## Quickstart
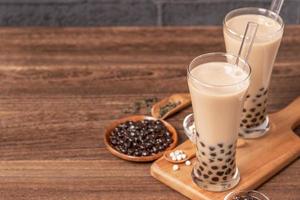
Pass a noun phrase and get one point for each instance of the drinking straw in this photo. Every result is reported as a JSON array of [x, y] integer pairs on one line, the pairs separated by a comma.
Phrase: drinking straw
[[276, 6], [247, 41]]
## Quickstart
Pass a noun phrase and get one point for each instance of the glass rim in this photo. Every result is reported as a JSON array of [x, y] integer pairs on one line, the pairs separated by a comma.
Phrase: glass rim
[[221, 54], [261, 11], [244, 191]]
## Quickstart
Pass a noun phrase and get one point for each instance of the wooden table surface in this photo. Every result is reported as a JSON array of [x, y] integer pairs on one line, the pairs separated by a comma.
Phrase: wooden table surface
[[59, 88]]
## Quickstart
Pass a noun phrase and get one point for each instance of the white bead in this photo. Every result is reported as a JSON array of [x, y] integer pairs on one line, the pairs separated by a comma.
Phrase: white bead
[[172, 154], [188, 163], [183, 156], [177, 152], [179, 157], [175, 167], [174, 158]]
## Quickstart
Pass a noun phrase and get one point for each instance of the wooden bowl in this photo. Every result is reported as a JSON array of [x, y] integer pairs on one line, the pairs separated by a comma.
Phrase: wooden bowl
[[135, 118]]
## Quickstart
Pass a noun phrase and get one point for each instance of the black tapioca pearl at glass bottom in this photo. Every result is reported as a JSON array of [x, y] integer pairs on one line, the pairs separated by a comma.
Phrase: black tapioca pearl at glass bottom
[[259, 104], [244, 121], [211, 160], [197, 134], [244, 110], [230, 146], [220, 173], [261, 117], [213, 154], [202, 144], [228, 153], [199, 172], [227, 172], [254, 120], [261, 89], [249, 116], [205, 176], [264, 110], [214, 167], [220, 159], [220, 145], [258, 95], [211, 148], [252, 110], [228, 160], [203, 163], [209, 173], [248, 126], [231, 163], [216, 179], [257, 114], [201, 168], [265, 92], [248, 96], [241, 125], [203, 153], [224, 178], [224, 166], [222, 151]]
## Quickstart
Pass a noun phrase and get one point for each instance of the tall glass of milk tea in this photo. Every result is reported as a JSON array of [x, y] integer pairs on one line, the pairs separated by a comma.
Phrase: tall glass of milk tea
[[218, 88], [255, 122]]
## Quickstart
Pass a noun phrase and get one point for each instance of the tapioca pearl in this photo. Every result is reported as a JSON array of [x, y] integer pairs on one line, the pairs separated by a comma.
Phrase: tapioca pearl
[[214, 167], [261, 89], [201, 168], [202, 144], [220, 173], [261, 117], [228, 153], [252, 110], [204, 163], [211, 160], [248, 96], [220, 159], [248, 126], [264, 110], [209, 173], [259, 105], [220, 145], [249, 116], [227, 172], [224, 178], [205, 176], [232, 162], [257, 114], [197, 134], [222, 151], [244, 110], [230, 146], [199, 172], [258, 95], [257, 124], [203, 153], [241, 125], [228, 160], [216, 179], [254, 120], [265, 92], [213, 154], [211, 148], [224, 166], [244, 121]]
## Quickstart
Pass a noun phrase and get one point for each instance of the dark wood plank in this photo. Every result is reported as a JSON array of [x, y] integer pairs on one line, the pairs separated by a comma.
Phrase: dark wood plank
[[60, 87]]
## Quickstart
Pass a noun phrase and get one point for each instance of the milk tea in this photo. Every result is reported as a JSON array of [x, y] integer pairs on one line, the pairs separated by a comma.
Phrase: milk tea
[[217, 90], [261, 60]]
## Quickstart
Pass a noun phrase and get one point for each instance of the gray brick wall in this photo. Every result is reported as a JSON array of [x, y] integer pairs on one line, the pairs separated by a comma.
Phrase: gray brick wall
[[129, 12]]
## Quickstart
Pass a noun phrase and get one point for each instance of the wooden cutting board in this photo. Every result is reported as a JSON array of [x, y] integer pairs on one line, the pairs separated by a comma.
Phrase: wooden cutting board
[[257, 161]]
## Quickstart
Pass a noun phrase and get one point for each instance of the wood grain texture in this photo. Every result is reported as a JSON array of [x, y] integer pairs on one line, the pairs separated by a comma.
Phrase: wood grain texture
[[257, 161], [59, 88]]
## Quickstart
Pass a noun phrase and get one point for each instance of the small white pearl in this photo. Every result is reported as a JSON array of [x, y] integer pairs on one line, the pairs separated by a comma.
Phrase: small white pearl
[[179, 157], [175, 167], [174, 158], [183, 156], [188, 163]]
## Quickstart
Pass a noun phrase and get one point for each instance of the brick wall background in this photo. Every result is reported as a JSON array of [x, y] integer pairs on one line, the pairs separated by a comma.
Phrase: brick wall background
[[129, 12]]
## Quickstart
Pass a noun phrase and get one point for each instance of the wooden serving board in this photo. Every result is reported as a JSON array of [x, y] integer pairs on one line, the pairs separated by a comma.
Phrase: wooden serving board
[[257, 161]]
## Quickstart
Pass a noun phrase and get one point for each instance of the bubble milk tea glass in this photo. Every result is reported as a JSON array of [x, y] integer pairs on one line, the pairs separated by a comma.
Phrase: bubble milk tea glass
[[255, 122], [218, 88]]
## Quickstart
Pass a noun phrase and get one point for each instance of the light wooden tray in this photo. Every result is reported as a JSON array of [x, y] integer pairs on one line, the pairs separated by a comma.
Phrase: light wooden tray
[[257, 161]]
